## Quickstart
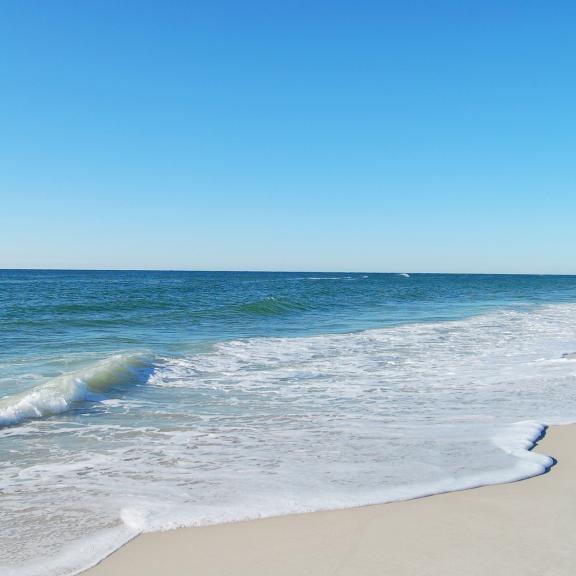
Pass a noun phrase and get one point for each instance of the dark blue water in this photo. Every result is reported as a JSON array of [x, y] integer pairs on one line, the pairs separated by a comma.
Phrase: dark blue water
[[105, 311]]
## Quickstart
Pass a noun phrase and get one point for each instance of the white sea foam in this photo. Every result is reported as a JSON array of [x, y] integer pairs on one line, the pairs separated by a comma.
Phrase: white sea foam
[[77, 557], [267, 426]]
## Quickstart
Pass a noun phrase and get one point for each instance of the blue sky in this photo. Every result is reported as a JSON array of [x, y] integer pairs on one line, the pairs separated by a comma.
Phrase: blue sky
[[288, 135]]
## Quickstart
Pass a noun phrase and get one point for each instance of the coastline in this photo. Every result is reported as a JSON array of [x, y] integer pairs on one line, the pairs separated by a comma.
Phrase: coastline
[[524, 527]]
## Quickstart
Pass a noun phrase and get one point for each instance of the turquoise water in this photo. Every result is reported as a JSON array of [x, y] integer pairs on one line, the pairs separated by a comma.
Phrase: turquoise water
[[163, 399]]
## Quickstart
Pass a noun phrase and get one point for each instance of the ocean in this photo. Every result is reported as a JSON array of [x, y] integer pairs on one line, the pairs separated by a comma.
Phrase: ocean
[[141, 401]]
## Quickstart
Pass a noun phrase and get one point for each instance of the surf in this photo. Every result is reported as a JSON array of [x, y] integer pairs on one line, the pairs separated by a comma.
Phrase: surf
[[66, 391]]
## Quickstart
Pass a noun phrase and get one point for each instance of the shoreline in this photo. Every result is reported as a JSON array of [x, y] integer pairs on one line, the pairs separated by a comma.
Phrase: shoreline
[[522, 527]]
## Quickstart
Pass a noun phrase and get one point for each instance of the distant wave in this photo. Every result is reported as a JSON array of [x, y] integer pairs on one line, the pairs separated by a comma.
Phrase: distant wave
[[270, 306], [63, 392]]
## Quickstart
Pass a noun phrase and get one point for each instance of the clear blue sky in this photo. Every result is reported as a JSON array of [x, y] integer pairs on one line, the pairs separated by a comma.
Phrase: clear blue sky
[[289, 135]]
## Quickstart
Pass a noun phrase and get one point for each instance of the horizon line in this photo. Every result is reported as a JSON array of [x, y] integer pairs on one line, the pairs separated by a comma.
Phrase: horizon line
[[172, 270]]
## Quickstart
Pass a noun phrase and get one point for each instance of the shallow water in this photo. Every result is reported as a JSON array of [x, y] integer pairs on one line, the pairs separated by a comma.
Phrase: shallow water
[[141, 401]]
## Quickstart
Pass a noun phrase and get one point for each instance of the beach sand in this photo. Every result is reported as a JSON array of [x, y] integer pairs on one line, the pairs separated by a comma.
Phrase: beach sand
[[522, 528]]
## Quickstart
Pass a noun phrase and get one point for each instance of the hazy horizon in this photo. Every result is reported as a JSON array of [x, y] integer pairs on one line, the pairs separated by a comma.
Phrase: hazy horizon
[[238, 271]]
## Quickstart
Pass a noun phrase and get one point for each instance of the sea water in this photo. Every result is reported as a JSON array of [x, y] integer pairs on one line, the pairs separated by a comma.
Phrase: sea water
[[139, 401]]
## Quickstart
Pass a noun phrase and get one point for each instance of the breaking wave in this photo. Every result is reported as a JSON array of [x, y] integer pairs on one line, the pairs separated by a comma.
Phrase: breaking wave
[[62, 393]]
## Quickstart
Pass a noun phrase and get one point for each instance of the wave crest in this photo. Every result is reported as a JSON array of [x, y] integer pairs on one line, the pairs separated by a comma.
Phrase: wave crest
[[63, 392]]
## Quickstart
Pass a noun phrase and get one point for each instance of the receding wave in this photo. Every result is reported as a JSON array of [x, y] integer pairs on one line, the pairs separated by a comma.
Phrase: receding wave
[[64, 392]]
